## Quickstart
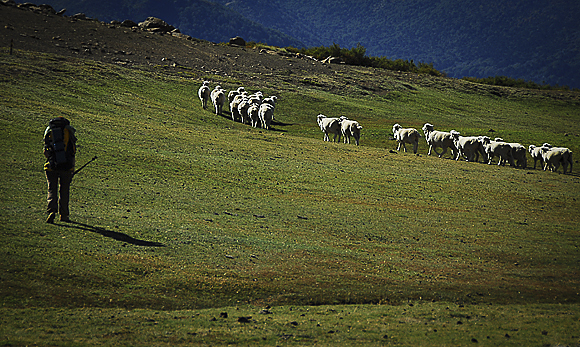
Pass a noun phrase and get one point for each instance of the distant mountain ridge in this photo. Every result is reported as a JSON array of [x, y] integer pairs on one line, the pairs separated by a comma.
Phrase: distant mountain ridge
[[535, 40]]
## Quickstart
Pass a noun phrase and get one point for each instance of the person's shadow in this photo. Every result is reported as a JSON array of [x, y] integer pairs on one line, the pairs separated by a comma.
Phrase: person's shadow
[[112, 234]]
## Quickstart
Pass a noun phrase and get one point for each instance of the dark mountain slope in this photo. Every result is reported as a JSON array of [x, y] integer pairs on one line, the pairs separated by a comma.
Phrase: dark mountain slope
[[199, 18], [531, 39]]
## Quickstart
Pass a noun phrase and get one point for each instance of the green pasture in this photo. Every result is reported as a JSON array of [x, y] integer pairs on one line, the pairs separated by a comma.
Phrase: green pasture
[[185, 215]]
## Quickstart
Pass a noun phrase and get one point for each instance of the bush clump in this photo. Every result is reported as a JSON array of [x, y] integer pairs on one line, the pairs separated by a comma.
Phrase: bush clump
[[357, 56]]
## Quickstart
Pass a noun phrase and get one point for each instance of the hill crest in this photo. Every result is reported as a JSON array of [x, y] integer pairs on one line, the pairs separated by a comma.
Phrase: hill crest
[[531, 40], [40, 29]]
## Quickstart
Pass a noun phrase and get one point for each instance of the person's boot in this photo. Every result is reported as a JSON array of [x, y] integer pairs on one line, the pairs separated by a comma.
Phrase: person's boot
[[64, 219], [51, 217]]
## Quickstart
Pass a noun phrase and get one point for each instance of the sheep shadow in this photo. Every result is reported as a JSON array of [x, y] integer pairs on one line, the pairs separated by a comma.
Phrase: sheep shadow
[[111, 234], [228, 115]]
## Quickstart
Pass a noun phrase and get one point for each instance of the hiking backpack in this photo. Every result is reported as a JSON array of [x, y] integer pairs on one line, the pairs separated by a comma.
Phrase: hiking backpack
[[59, 140]]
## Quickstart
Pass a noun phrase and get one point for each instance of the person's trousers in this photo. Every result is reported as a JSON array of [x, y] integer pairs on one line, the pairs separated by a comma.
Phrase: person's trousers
[[58, 191]]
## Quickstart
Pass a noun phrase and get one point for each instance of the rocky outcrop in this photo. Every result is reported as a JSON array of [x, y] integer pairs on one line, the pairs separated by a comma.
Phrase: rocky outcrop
[[153, 24], [32, 7], [237, 41], [332, 60]]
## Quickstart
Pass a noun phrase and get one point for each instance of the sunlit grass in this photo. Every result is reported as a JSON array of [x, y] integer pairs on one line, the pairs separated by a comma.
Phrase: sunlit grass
[[186, 210]]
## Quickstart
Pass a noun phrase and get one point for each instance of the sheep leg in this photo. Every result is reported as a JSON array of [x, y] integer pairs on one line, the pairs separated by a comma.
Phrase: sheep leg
[[465, 154], [471, 156], [433, 148], [564, 165], [415, 146], [454, 153], [442, 152], [500, 160]]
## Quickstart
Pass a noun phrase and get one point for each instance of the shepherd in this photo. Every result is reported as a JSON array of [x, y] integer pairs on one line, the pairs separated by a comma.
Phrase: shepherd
[[59, 150]]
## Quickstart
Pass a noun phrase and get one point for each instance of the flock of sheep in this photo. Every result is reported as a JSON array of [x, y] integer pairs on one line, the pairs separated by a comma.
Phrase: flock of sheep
[[256, 110], [470, 147], [251, 109]]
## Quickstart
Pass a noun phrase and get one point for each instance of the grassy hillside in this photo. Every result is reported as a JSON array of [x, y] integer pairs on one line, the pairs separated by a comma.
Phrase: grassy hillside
[[185, 210]]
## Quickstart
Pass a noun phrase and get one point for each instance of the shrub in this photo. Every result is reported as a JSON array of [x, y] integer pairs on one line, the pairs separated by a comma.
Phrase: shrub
[[357, 56]]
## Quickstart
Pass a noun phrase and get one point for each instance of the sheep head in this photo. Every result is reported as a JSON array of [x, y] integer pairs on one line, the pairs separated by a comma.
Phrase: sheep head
[[396, 127], [427, 128], [484, 140]]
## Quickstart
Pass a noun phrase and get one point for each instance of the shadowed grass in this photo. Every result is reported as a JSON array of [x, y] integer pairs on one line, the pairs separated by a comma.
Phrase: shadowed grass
[[410, 324]]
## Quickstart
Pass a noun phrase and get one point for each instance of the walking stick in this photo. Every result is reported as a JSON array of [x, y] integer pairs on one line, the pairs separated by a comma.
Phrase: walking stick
[[82, 167]]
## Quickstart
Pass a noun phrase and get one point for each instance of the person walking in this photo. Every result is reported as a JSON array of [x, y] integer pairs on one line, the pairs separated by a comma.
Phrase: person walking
[[60, 151]]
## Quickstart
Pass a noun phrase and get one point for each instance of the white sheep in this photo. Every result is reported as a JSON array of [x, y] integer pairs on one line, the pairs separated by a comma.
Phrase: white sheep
[[232, 94], [441, 139], [519, 154], [266, 114], [253, 115], [204, 93], [256, 98], [406, 135], [555, 156], [329, 126], [271, 100], [350, 128], [498, 148], [468, 147], [218, 98], [536, 153], [243, 110], [235, 103]]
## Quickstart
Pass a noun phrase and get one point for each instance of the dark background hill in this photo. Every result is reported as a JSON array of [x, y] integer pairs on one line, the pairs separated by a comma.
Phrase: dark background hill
[[534, 40], [198, 18]]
